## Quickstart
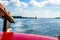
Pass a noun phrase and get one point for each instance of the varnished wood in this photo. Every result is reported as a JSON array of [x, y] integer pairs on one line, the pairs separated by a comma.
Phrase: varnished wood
[[6, 17], [6, 14]]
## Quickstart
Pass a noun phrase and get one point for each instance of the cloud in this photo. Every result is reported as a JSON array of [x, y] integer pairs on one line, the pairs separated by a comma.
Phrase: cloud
[[40, 14], [25, 13], [15, 2], [49, 14], [38, 4], [5, 3], [46, 13], [55, 2], [45, 2], [25, 4], [18, 3], [34, 3]]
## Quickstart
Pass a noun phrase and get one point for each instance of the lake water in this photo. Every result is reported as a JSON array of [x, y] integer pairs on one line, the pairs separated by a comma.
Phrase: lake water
[[42, 26]]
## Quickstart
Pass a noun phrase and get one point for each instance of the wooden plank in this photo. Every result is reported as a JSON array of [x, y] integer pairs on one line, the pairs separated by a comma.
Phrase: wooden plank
[[5, 14]]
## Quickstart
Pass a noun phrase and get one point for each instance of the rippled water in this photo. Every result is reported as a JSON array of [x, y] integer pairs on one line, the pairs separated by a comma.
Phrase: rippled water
[[42, 26]]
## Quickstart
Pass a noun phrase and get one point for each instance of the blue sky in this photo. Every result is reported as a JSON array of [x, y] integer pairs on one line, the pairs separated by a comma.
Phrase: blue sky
[[38, 8]]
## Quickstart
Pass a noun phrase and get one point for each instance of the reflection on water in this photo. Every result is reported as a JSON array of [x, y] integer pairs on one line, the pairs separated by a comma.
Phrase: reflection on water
[[50, 27]]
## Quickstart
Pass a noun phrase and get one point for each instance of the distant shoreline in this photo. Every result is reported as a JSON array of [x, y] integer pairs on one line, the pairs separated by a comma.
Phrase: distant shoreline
[[24, 17], [57, 18]]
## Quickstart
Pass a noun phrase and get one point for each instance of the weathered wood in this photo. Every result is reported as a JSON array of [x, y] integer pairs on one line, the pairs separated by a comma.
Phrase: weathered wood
[[5, 14], [6, 17]]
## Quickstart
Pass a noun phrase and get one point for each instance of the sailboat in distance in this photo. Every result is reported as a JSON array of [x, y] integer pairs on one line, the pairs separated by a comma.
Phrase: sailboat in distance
[[4, 35]]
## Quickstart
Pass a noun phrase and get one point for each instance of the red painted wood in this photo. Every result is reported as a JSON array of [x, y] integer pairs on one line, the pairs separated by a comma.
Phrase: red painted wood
[[58, 37], [22, 36]]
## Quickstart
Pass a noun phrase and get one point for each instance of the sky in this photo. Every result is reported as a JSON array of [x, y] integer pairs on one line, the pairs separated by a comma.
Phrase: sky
[[32, 8]]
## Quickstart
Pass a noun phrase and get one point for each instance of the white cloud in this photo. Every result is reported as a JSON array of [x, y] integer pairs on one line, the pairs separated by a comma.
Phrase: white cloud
[[46, 13], [25, 13], [38, 4], [49, 14], [57, 14], [56, 2], [39, 13], [25, 4], [18, 3], [44, 3], [5, 3], [35, 3]]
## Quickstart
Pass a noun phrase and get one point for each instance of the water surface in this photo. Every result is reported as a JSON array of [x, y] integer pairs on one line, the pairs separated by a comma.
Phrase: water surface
[[41, 26]]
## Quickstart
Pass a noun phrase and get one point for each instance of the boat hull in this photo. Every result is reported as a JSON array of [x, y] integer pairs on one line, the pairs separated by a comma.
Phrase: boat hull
[[22, 36]]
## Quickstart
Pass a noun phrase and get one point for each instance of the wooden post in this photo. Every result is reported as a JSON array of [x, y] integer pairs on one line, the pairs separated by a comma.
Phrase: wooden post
[[5, 25]]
